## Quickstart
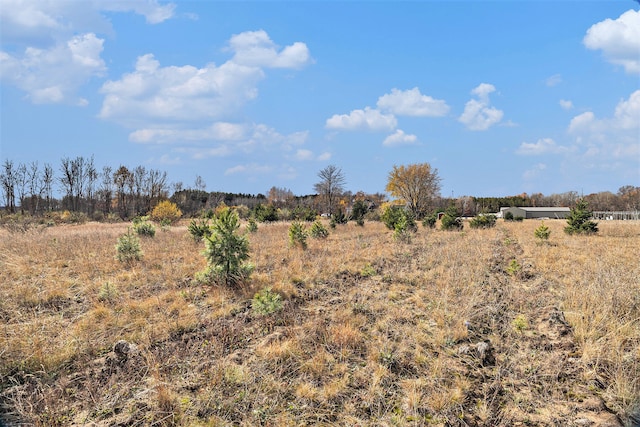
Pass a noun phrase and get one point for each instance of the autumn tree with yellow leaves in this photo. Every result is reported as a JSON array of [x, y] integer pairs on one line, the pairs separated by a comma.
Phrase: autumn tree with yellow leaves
[[417, 185]]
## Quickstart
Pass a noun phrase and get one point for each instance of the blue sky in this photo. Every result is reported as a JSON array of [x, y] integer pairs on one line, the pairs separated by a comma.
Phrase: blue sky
[[502, 97]]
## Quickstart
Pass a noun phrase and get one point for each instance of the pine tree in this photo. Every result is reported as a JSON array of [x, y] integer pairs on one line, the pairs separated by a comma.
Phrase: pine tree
[[579, 220]]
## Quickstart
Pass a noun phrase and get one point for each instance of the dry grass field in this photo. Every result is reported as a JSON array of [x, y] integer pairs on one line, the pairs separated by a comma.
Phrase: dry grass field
[[472, 328]]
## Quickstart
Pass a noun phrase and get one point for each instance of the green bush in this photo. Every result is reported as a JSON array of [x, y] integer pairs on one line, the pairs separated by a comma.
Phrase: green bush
[[265, 213], [226, 252], [302, 213], [391, 215], [298, 235], [579, 220], [451, 220], [358, 211], [252, 225], [199, 229], [143, 227], [128, 248], [429, 221], [483, 221], [319, 231], [266, 302], [405, 228], [508, 216], [542, 233]]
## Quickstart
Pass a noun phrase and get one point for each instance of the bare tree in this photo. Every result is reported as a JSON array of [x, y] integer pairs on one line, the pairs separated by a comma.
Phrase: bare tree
[[47, 184], [122, 178], [139, 187], [106, 189], [330, 187], [157, 187], [22, 177], [8, 182]]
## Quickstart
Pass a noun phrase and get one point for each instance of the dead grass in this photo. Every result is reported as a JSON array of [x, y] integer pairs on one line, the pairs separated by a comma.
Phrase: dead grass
[[480, 327]]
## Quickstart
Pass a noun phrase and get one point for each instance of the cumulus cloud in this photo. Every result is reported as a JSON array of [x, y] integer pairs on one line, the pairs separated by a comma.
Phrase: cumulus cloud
[[368, 119], [412, 103], [566, 104], [542, 146], [256, 49], [626, 118], [54, 75], [399, 138], [51, 48], [618, 39], [478, 113], [152, 93]]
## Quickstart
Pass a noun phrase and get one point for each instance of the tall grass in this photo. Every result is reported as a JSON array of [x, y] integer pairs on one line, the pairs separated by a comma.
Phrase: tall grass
[[371, 331]]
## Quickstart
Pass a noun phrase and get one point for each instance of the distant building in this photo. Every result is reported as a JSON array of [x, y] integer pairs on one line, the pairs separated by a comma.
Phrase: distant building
[[536, 213]]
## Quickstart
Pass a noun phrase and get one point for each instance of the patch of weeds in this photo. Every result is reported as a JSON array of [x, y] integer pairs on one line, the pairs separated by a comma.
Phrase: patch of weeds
[[520, 323], [368, 270], [514, 267]]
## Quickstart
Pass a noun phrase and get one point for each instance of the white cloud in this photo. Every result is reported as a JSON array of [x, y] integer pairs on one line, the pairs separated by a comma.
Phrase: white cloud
[[554, 80], [54, 75], [399, 138], [478, 113], [626, 117], [566, 104], [38, 22], [324, 157], [534, 172], [618, 39], [153, 12], [51, 47], [152, 93], [220, 131], [542, 146], [256, 49], [367, 119], [251, 168], [412, 103]]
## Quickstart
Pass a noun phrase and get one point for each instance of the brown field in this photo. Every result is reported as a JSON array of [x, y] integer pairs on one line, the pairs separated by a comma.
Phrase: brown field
[[472, 328]]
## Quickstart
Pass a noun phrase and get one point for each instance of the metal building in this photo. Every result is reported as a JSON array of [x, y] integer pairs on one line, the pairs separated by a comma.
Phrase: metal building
[[536, 212]]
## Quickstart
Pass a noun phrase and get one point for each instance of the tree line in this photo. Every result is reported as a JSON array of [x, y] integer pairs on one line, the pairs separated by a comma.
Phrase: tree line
[[128, 192]]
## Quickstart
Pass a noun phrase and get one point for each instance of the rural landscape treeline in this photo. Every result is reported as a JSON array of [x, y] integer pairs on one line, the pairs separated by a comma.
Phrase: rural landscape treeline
[[77, 185]]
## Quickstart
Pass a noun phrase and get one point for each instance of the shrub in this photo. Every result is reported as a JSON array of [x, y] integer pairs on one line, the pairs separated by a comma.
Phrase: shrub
[[166, 210], [451, 221], [319, 231], [143, 227], [302, 213], [483, 221], [128, 248], [392, 214], [405, 228], [579, 220], [508, 216], [265, 213], [199, 229], [266, 302], [226, 252], [252, 225], [542, 232], [297, 235], [358, 211], [429, 221]]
